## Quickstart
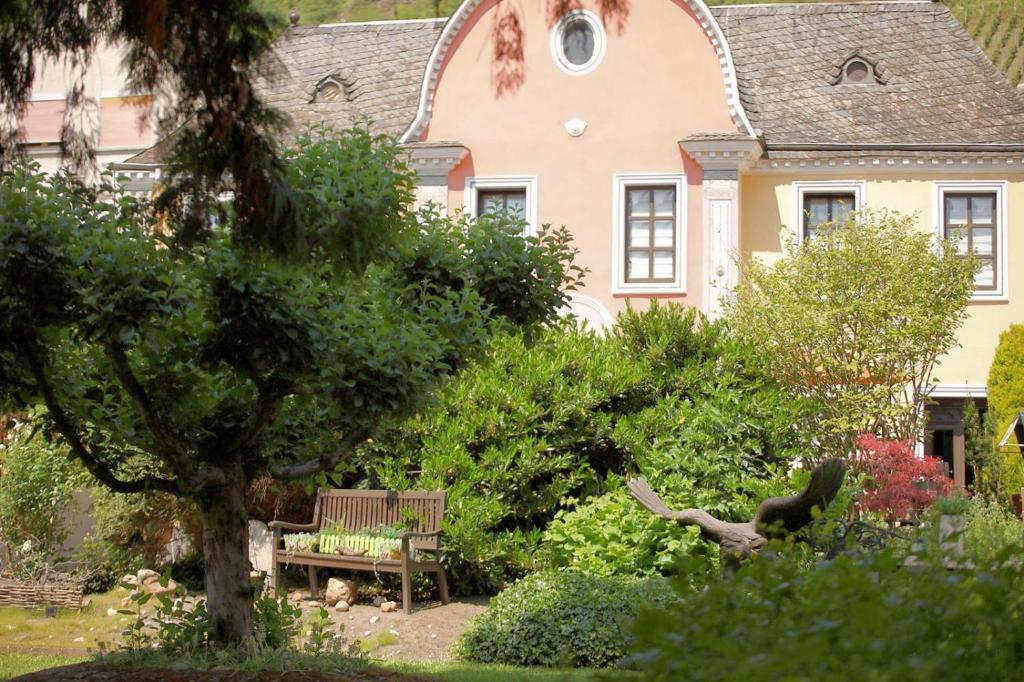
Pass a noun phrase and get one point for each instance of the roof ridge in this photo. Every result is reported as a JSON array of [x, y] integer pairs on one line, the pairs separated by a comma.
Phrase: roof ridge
[[824, 7], [379, 22]]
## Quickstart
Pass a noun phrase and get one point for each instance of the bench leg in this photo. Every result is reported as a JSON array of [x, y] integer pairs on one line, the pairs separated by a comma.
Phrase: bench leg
[[275, 580], [442, 585], [314, 588], [406, 592]]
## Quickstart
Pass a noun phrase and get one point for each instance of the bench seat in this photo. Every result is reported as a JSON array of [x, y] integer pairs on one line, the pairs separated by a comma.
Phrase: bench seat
[[364, 511]]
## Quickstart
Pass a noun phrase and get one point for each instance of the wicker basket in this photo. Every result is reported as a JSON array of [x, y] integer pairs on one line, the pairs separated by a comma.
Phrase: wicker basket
[[64, 592]]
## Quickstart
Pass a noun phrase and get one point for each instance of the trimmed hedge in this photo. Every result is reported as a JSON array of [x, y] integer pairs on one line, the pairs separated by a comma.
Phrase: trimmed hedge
[[1006, 379], [560, 619]]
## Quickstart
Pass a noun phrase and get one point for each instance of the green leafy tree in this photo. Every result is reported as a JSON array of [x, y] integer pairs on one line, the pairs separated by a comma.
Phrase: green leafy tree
[[857, 318], [195, 371]]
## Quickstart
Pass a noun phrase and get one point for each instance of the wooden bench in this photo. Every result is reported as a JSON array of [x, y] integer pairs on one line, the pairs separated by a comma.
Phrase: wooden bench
[[366, 510]]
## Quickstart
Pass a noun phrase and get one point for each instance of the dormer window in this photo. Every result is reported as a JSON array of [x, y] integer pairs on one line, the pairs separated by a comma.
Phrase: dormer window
[[858, 70], [330, 90]]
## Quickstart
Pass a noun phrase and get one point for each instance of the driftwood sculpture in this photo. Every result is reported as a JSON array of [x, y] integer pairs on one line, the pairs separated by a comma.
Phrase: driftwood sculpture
[[776, 517]]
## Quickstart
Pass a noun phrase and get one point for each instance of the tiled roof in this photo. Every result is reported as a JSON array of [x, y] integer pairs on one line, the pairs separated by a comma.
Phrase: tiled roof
[[379, 66], [939, 87], [936, 85]]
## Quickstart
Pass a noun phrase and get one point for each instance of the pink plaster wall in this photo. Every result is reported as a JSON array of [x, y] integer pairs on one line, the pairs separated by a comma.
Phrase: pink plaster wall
[[124, 122], [42, 121], [659, 81]]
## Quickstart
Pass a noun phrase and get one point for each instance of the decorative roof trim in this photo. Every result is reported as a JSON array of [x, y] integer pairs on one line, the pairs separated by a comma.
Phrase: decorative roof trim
[[944, 163], [981, 147], [458, 19]]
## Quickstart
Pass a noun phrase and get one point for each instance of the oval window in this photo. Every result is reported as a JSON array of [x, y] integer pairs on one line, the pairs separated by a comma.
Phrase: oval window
[[578, 42]]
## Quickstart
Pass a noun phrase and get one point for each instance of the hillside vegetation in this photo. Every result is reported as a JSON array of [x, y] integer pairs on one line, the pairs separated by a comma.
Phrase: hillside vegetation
[[997, 25]]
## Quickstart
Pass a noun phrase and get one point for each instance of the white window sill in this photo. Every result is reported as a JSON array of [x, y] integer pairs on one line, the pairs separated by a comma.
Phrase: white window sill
[[994, 297], [647, 291]]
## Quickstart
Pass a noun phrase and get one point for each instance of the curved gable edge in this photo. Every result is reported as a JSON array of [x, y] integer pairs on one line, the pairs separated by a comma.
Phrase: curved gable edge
[[451, 29]]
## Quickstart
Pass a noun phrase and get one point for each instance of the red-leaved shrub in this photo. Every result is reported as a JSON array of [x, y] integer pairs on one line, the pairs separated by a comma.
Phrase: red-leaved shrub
[[901, 482]]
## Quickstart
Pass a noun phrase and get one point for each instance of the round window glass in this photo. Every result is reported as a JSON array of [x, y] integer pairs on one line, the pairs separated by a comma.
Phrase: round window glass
[[578, 43], [857, 71]]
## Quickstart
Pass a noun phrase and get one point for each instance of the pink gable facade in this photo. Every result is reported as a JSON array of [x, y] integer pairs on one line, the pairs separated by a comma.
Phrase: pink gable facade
[[577, 143]]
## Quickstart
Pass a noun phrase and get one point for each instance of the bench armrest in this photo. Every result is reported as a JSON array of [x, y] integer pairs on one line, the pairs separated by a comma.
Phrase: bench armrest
[[284, 525]]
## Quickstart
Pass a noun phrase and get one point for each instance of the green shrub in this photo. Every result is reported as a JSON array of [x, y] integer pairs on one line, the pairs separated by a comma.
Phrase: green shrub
[[991, 528], [515, 434], [611, 534], [867, 618], [558, 619], [36, 489], [1006, 378], [1005, 400], [538, 436]]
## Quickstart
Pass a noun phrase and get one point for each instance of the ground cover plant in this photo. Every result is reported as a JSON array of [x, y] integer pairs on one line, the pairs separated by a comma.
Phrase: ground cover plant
[[533, 441]]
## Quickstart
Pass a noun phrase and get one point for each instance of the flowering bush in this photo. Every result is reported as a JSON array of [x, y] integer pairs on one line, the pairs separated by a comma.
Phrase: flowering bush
[[900, 482]]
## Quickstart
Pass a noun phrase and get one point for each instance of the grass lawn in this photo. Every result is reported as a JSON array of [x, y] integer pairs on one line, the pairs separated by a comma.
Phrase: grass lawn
[[476, 672], [29, 641], [14, 664], [30, 631]]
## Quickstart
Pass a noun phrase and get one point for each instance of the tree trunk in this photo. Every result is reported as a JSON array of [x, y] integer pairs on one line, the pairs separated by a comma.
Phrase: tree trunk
[[226, 552]]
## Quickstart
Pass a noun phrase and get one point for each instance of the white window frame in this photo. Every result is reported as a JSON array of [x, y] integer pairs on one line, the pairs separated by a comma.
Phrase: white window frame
[[528, 183], [999, 188], [622, 182], [801, 188], [600, 42]]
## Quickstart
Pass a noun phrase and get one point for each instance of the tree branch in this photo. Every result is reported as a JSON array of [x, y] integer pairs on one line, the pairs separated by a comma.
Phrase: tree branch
[[323, 462], [66, 425], [163, 436]]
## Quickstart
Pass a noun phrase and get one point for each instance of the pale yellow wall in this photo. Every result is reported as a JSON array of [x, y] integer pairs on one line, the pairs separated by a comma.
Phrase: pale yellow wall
[[768, 204]]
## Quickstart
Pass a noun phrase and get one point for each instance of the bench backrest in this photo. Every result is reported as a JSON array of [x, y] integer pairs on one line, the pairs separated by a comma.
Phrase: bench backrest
[[360, 510]]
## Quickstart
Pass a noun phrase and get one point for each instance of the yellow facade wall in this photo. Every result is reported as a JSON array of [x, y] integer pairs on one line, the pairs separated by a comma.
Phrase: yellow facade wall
[[768, 208]]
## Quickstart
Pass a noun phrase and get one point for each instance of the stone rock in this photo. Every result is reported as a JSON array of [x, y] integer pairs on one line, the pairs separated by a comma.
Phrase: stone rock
[[341, 606], [394, 632], [147, 575], [374, 619], [313, 604], [111, 612], [129, 580], [261, 548], [378, 600], [154, 587], [341, 590], [389, 607], [77, 640], [128, 602]]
